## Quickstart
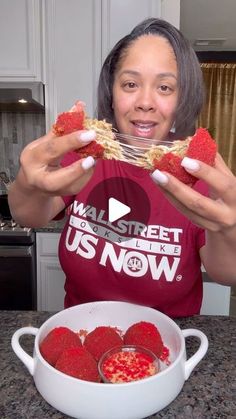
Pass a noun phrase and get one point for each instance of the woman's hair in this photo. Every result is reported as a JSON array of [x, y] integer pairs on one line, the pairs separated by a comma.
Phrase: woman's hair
[[190, 81]]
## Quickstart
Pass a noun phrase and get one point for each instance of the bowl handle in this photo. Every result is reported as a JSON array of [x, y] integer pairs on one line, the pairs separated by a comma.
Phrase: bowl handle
[[19, 351], [191, 363]]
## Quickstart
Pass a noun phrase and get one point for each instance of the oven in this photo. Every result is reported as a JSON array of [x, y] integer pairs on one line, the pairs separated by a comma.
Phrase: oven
[[18, 290]]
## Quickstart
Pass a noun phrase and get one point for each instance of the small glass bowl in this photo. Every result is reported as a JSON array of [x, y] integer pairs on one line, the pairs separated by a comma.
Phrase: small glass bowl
[[127, 363]]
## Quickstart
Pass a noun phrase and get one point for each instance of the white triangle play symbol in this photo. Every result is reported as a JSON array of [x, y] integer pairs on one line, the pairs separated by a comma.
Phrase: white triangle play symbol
[[116, 209]]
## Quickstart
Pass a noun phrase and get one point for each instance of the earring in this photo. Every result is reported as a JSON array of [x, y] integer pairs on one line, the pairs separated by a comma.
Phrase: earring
[[173, 128]]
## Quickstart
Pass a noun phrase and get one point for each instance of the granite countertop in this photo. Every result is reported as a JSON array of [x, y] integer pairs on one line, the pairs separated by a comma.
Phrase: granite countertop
[[55, 226], [208, 393]]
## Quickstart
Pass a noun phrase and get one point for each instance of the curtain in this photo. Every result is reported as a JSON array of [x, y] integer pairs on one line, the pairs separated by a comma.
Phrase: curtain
[[219, 112]]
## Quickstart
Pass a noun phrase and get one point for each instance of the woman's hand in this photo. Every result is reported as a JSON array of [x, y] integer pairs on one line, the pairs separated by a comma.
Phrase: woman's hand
[[40, 164], [35, 195], [216, 213]]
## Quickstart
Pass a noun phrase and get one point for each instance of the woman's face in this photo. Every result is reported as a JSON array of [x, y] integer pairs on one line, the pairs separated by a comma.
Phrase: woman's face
[[145, 90]]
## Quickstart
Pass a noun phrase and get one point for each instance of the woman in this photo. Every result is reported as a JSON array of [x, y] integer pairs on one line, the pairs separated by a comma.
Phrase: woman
[[150, 86]]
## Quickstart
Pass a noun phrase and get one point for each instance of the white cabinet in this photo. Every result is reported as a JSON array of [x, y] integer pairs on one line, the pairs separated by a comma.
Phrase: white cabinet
[[72, 54], [20, 40], [50, 277], [119, 17], [216, 299], [78, 36]]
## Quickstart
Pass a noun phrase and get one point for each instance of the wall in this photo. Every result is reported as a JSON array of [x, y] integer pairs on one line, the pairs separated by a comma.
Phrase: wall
[[17, 130]]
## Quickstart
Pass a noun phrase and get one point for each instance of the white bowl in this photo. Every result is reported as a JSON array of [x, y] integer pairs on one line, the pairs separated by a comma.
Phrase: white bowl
[[88, 400]]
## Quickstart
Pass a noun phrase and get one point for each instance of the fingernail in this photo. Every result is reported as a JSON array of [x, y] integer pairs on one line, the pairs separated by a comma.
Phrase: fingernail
[[88, 163], [87, 136], [190, 164], [159, 177]]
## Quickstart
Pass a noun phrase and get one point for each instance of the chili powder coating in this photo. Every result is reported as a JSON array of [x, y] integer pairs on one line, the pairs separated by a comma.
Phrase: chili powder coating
[[56, 341], [92, 149], [201, 147], [78, 363], [101, 339], [126, 366], [70, 121], [145, 334]]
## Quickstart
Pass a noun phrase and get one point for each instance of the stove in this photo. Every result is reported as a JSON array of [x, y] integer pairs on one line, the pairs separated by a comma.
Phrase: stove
[[18, 289], [13, 233]]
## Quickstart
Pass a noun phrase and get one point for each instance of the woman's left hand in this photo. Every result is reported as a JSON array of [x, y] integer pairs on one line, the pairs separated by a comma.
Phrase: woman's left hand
[[216, 213]]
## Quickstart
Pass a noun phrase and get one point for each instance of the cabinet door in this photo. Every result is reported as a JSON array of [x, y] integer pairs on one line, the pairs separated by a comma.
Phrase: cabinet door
[[73, 54], [50, 285], [50, 277], [119, 17], [216, 299], [20, 40]]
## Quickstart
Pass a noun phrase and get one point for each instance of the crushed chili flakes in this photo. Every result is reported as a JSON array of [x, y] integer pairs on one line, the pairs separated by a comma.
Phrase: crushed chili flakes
[[164, 357], [122, 367]]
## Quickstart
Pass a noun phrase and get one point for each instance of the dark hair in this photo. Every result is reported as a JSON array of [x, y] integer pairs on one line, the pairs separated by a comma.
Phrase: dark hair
[[190, 81]]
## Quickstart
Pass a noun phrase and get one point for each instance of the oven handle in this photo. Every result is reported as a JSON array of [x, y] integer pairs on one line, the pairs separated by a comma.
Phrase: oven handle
[[16, 251]]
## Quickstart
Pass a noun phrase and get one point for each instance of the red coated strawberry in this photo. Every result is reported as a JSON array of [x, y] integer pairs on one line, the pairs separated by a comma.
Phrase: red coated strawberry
[[101, 340], [71, 121], [170, 163], [93, 149], [68, 122], [146, 335], [56, 341], [78, 363], [201, 147]]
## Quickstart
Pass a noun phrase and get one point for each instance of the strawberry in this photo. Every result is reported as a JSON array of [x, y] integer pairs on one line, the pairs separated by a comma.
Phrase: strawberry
[[78, 363], [68, 122], [56, 341], [144, 334], [101, 340], [171, 163], [201, 147], [93, 149], [71, 121]]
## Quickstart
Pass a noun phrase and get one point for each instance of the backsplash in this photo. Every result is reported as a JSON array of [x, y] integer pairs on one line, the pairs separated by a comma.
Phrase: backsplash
[[17, 130]]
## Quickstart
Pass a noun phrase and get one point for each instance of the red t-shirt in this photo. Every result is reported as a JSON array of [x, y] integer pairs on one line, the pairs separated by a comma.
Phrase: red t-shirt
[[160, 267]]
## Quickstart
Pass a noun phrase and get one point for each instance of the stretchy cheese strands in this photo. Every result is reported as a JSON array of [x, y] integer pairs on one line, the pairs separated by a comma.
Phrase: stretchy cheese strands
[[155, 153], [141, 152], [105, 137]]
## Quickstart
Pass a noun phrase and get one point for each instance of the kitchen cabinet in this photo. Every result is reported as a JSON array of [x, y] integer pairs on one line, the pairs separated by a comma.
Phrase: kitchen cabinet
[[216, 299], [72, 54], [79, 35], [119, 17], [21, 48], [50, 277]]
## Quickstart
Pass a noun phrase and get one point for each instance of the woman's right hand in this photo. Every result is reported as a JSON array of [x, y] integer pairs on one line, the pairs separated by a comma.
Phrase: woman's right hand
[[35, 195], [40, 164]]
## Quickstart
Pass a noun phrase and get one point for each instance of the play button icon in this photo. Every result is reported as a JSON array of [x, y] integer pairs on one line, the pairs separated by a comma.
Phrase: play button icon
[[116, 210]]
